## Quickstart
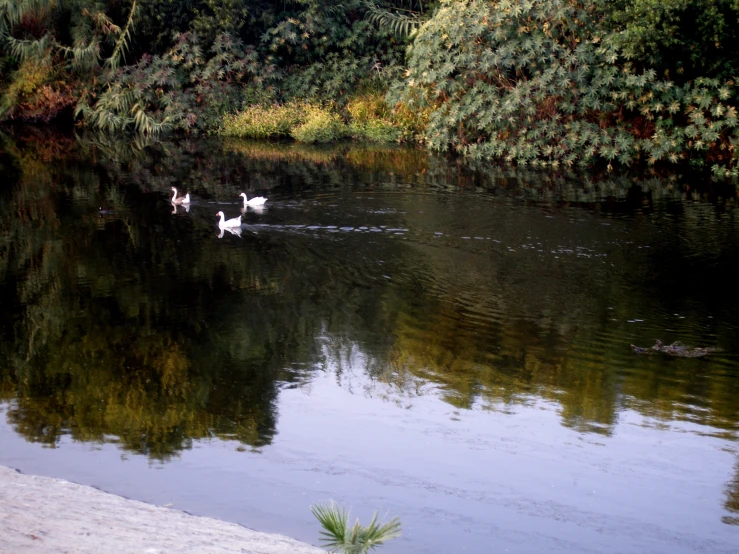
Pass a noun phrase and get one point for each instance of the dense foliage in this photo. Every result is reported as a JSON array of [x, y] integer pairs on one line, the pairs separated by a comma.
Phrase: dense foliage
[[681, 39], [190, 63], [545, 82]]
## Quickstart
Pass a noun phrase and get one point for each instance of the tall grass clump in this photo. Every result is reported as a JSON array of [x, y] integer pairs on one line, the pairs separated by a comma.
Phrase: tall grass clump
[[302, 121], [371, 119], [264, 122], [320, 124], [339, 536]]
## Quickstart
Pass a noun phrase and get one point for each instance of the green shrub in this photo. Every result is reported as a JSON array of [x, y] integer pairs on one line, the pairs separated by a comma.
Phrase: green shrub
[[411, 119], [320, 125], [302, 121], [371, 119], [539, 82], [311, 123], [367, 107], [682, 39], [376, 130]]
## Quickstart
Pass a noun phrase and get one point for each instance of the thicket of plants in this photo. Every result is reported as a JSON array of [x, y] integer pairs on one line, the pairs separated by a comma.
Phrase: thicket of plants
[[553, 82], [535, 82]]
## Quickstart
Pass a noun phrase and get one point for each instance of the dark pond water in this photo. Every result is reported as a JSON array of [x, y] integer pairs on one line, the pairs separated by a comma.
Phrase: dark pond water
[[393, 331]]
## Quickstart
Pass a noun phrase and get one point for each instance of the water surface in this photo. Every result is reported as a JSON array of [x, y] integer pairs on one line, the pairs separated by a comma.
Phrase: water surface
[[393, 331]]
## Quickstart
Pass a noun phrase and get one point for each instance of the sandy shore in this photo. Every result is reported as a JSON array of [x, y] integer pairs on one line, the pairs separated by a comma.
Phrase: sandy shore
[[43, 514]]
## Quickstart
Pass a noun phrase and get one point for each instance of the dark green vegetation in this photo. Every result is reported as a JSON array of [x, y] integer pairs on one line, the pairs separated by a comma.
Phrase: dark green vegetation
[[544, 82], [159, 66], [552, 83]]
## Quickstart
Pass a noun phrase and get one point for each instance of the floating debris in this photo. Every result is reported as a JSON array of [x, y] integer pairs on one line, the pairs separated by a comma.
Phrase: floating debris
[[677, 349]]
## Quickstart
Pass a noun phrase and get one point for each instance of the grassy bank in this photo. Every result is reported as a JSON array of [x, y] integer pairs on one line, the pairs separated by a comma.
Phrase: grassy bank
[[364, 118]]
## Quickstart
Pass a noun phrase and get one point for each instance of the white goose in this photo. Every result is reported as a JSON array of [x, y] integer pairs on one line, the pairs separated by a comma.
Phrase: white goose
[[180, 200], [256, 201], [226, 223]]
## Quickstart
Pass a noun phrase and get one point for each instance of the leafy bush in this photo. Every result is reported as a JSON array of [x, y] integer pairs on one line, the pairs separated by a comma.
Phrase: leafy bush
[[367, 107], [35, 93], [330, 79], [411, 118], [540, 83], [327, 51], [183, 89], [682, 39]]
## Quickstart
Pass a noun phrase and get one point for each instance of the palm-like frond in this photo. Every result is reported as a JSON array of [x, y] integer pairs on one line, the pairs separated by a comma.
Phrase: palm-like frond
[[334, 521], [339, 536], [13, 11], [377, 533], [124, 38], [399, 21]]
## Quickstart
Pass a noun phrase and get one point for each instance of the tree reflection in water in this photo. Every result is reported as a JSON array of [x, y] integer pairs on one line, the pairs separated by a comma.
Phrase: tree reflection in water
[[133, 324]]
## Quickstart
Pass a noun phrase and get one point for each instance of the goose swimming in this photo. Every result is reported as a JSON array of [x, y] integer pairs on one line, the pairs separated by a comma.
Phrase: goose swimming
[[181, 199], [256, 201], [225, 223]]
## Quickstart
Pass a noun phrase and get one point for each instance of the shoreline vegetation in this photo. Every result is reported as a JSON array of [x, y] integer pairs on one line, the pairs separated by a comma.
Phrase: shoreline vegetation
[[541, 83]]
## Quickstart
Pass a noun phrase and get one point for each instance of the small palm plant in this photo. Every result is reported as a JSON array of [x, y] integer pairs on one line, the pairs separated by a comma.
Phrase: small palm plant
[[338, 536]]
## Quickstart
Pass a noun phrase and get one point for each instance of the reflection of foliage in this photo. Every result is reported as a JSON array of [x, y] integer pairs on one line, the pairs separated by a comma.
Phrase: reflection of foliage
[[281, 152], [93, 359], [127, 324], [732, 499]]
